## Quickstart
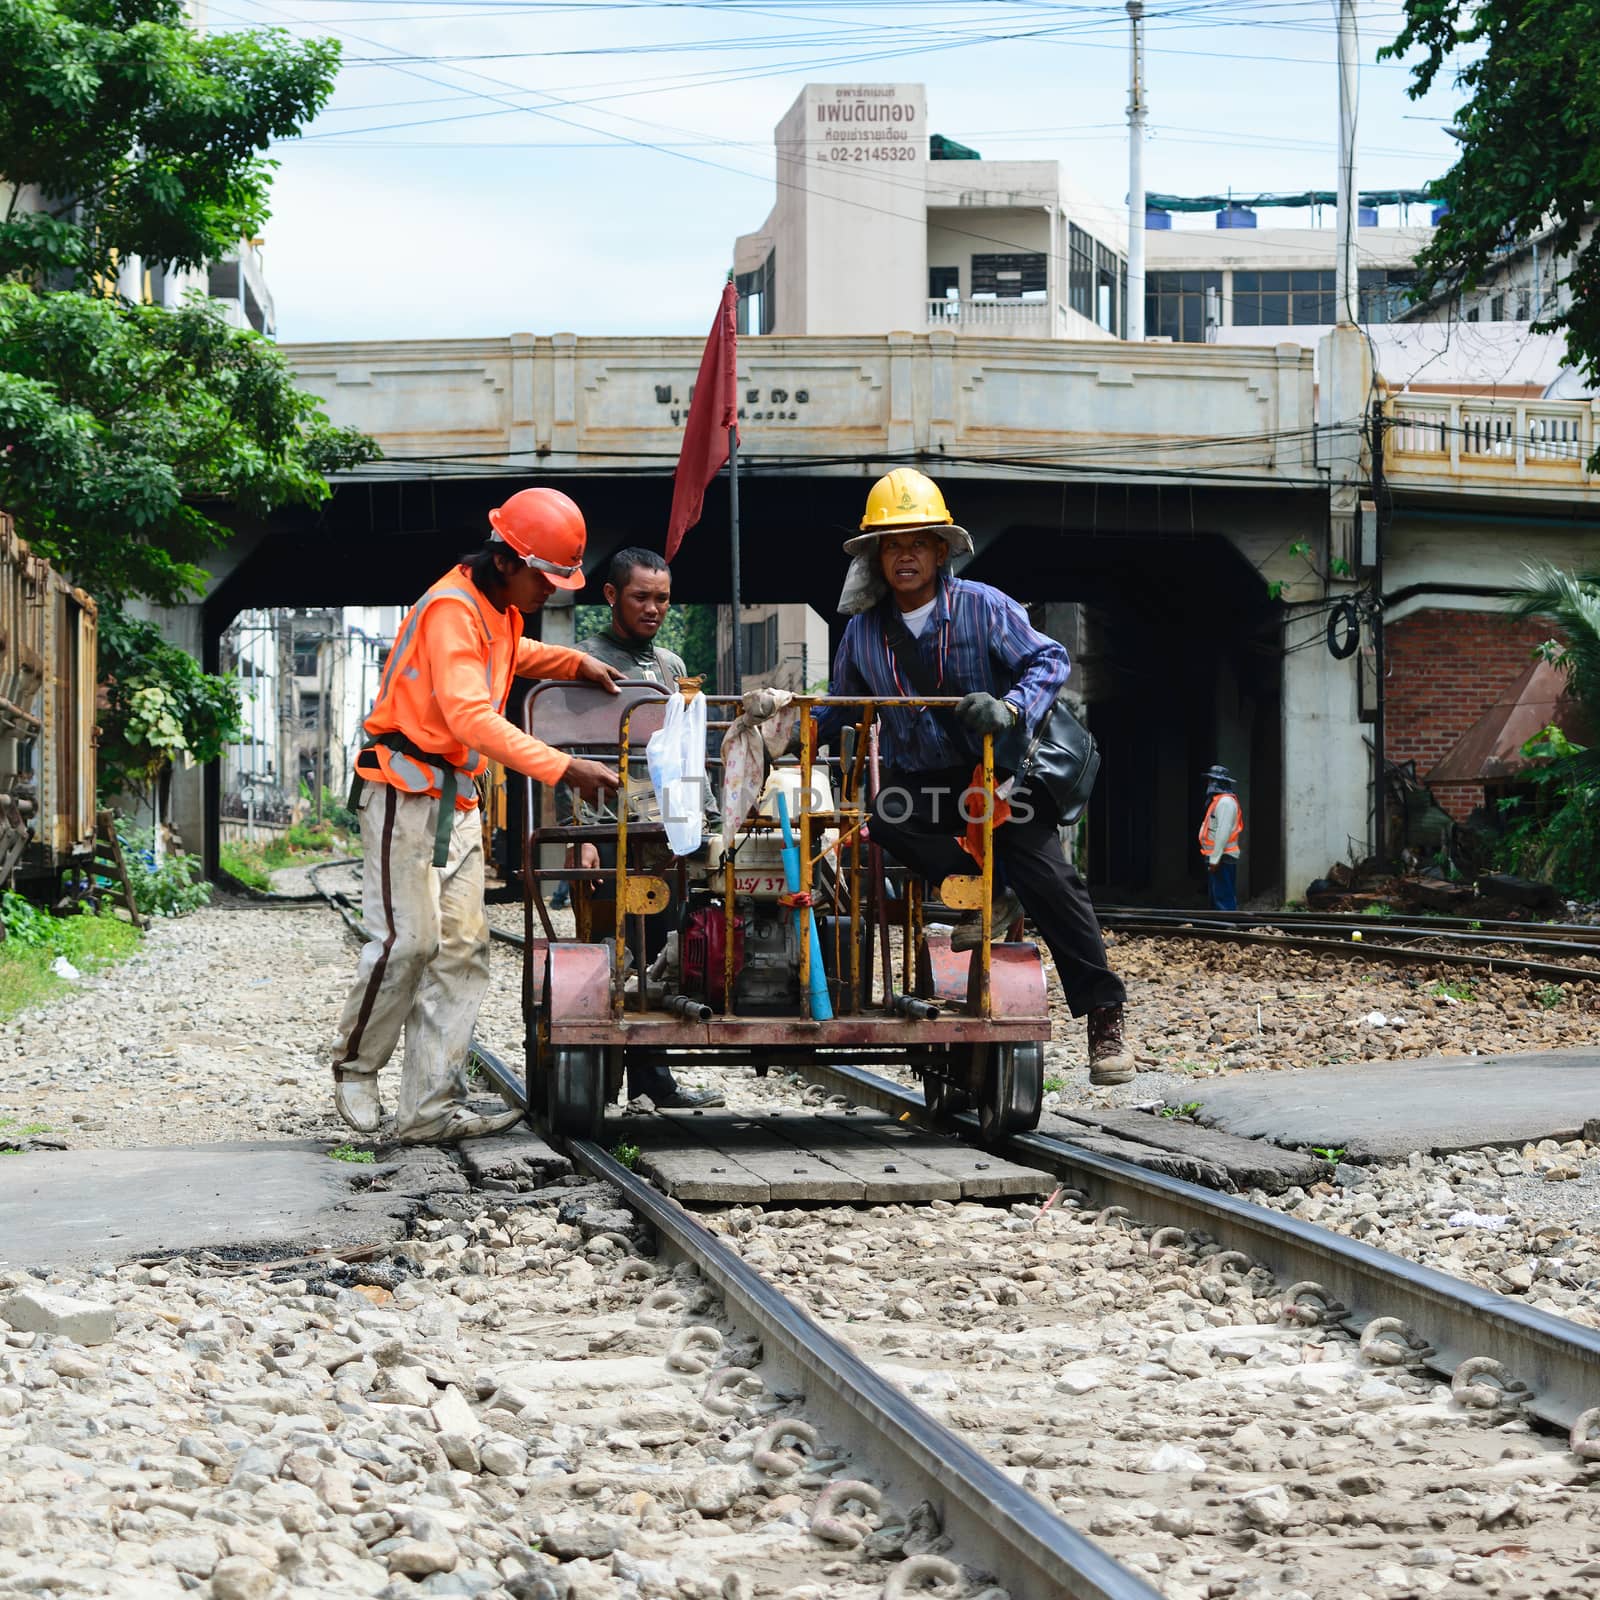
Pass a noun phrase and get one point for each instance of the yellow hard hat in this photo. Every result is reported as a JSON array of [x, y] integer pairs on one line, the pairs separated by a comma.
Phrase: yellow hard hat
[[905, 499]]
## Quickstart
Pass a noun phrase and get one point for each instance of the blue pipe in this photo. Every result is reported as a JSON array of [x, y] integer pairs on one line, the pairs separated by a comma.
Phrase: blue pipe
[[821, 1005]]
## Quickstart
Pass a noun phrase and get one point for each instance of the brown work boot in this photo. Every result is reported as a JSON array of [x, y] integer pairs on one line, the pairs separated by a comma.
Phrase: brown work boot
[[1110, 1059]]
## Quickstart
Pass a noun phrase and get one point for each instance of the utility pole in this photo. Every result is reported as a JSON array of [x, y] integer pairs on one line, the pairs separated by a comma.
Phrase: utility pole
[[1346, 276], [1137, 113], [1380, 760]]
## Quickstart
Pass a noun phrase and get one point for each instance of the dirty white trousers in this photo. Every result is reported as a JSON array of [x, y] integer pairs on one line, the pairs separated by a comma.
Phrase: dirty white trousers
[[426, 966]]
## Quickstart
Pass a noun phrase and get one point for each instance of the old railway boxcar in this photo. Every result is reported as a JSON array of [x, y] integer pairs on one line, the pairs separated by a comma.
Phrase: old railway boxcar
[[48, 677]]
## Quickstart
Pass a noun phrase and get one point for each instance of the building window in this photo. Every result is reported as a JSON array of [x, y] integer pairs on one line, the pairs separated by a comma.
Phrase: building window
[[1524, 304], [1105, 288], [1472, 315], [1080, 272], [944, 283], [758, 309], [1384, 292], [1175, 304], [1497, 308], [305, 657], [1283, 299], [760, 643], [1010, 277], [311, 712]]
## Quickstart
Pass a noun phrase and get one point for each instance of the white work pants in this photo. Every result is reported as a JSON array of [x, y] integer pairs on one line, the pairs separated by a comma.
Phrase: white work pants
[[426, 965]]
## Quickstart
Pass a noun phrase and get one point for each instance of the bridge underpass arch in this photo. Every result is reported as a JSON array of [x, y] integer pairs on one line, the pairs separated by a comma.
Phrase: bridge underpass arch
[[1176, 643]]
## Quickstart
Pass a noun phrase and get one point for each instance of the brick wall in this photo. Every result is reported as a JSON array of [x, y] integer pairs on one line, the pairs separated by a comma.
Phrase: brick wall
[[1446, 668]]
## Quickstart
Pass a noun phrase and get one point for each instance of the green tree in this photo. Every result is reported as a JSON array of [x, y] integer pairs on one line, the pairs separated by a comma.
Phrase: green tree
[[127, 429], [1530, 143], [1556, 835], [158, 708], [130, 434], [125, 132]]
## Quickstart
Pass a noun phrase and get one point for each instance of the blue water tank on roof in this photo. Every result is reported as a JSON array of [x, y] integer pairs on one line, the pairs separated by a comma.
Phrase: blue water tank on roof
[[1159, 221], [1366, 216], [1236, 217], [1440, 212]]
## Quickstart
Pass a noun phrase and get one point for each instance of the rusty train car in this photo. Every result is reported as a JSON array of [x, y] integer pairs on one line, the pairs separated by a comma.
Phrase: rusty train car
[[48, 689]]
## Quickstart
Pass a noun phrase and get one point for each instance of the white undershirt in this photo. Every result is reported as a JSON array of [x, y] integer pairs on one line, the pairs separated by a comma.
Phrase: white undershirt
[[917, 621]]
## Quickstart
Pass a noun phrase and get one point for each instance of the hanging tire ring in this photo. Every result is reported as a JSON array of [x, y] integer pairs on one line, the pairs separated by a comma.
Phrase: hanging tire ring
[[1344, 630]]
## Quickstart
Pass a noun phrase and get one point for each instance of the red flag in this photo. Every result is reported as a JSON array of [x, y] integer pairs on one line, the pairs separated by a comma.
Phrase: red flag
[[713, 410]]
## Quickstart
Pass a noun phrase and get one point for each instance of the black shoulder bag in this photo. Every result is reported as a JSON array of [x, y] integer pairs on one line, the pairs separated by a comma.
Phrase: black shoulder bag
[[1061, 758]]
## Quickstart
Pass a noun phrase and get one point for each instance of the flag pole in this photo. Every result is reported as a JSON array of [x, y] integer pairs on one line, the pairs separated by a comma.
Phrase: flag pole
[[733, 517]]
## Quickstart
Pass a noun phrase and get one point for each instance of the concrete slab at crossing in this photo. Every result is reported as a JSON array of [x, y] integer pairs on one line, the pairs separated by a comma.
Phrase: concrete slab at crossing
[[1387, 1109]]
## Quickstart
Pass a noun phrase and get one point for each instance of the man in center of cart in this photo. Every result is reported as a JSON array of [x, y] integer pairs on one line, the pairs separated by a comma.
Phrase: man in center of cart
[[638, 590], [911, 618]]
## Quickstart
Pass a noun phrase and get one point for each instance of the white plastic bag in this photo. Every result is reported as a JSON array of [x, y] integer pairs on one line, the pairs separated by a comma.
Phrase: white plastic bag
[[676, 755]]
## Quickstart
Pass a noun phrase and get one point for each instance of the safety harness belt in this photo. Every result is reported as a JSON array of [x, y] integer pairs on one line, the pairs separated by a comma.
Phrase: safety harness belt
[[448, 785]]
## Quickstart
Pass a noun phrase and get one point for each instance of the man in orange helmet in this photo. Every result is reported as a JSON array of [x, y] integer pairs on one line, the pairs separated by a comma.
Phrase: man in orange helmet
[[437, 722]]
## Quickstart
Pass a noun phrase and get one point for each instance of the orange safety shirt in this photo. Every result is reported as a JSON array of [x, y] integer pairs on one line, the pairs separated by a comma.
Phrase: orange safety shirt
[[1208, 839], [444, 687]]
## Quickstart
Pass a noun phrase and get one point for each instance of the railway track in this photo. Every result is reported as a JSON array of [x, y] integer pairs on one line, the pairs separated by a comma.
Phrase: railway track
[[1335, 1306], [1504, 947], [1513, 1361]]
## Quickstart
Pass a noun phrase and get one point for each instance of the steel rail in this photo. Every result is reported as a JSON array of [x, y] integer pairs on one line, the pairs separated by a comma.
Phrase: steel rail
[[1578, 932], [1384, 927], [1364, 950], [995, 1522], [1558, 1360]]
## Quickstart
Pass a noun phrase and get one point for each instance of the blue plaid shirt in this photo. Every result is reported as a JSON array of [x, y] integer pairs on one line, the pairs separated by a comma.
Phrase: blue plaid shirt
[[976, 639]]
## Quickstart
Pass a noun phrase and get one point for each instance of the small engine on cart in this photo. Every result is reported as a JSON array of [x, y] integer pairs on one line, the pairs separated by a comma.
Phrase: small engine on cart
[[766, 945]]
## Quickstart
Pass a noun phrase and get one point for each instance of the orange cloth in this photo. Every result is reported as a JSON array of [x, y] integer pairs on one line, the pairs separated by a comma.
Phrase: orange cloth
[[445, 685], [972, 801]]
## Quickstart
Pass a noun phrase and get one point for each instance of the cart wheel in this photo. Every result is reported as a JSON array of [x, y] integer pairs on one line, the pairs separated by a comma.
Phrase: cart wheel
[[943, 1099], [1013, 1089], [575, 1091]]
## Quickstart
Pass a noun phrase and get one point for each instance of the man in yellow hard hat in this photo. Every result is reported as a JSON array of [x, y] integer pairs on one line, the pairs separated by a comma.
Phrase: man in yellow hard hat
[[916, 629]]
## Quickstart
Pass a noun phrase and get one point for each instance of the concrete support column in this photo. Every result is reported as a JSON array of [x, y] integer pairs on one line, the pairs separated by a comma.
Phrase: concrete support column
[[1326, 767]]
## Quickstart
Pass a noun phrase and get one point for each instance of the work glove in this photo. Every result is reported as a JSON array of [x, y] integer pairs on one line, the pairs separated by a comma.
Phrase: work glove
[[982, 713]]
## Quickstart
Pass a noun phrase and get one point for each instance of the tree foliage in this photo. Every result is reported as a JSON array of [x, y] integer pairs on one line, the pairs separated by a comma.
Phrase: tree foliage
[[1530, 143], [1555, 835], [125, 426], [140, 135], [158, 707]]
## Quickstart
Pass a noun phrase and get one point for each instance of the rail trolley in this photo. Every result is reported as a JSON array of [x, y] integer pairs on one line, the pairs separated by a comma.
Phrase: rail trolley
[[738, 981]]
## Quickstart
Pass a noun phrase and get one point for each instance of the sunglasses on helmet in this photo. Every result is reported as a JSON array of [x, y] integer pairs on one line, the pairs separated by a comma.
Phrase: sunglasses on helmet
[[538, 563]]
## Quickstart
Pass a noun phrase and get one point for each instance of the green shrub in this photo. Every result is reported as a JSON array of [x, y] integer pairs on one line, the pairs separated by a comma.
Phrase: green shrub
[[242, 862], [172, 889], [35, 940]]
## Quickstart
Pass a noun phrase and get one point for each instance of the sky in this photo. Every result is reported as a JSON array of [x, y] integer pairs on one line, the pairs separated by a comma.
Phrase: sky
[[496, 166]]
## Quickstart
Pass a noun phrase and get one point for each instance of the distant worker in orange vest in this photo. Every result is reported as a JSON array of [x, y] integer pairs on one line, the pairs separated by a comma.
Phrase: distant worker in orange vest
[[1220, 831], [438, 720]]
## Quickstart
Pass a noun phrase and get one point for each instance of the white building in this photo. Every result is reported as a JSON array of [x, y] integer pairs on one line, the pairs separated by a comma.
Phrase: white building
[[783, 646], [1267, 285], [879, 225], [307, 679]]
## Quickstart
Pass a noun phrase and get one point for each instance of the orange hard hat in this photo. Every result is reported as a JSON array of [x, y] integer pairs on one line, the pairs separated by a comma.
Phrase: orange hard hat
[[545, 528]]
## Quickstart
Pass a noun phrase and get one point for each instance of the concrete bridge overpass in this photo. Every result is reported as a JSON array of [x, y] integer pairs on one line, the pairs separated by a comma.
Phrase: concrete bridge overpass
[[1174, 507]]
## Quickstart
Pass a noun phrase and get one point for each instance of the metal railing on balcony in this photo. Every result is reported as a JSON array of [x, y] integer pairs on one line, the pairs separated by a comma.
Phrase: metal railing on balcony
[[990, 316], [1536, 438]]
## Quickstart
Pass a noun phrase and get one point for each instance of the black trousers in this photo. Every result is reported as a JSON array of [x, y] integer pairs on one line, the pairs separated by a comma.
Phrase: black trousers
[[917, 820]]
